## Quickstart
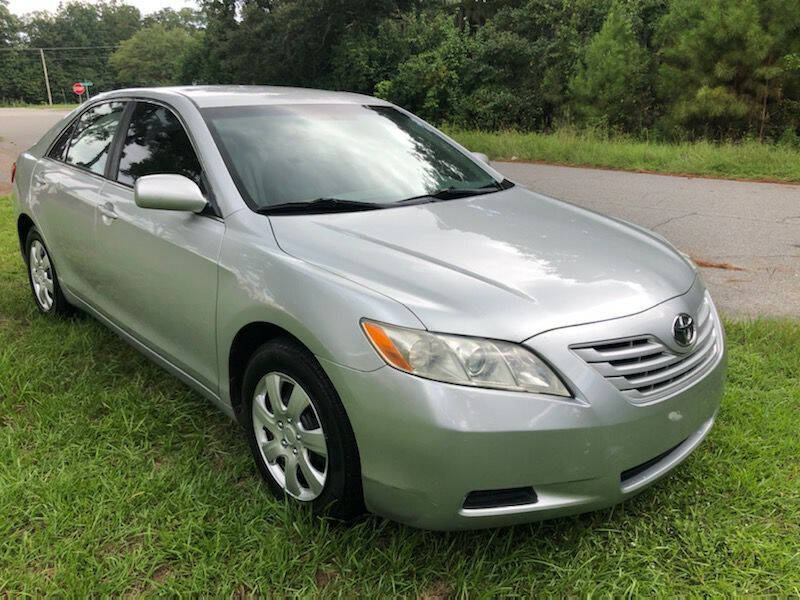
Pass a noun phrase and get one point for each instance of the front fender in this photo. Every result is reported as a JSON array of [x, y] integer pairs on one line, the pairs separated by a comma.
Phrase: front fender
[[258, 282]]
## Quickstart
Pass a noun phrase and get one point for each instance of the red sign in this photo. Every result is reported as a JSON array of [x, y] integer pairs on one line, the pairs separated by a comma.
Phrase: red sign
[[78, 88]]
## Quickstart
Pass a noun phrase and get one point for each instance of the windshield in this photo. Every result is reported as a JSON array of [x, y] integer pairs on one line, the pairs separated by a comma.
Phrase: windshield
[[286, 154]]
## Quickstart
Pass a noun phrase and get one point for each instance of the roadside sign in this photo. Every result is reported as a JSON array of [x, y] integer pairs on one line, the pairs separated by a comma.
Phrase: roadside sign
[[78, 88]]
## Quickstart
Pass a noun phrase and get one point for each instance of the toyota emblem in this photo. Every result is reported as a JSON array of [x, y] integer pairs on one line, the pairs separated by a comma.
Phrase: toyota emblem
[[683, 330]]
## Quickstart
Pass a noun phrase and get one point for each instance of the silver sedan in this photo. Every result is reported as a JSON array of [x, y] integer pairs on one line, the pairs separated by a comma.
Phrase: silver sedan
[[396, 326]]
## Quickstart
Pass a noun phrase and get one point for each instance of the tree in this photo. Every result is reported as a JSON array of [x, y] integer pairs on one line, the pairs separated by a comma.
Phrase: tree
[[283, 41], [185, 18], [610, 85], [546, 39], [95, 27], [727, 67], [427, 80], [152, 56], [9, 26]]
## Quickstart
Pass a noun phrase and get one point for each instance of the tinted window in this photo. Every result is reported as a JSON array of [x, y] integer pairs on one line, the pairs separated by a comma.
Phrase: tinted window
[[156, 143], [59, 149], [93, 135], [297, 153]]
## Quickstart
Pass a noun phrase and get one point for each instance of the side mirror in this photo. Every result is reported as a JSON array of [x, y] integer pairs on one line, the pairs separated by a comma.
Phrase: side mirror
[[481, 157], [168, 192]]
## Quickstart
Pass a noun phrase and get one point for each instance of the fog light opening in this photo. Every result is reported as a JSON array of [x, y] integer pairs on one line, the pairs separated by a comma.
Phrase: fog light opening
[[500, 498]]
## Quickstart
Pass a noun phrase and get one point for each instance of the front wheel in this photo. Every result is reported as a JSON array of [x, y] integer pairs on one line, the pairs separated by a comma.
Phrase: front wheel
[[298, 431]]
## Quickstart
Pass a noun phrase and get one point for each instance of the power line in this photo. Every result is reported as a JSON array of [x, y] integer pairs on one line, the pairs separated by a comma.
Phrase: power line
[[40, 51], [13, 49]]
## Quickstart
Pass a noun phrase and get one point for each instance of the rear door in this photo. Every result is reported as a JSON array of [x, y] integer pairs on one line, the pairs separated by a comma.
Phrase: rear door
[[158, 276], [65, 191]]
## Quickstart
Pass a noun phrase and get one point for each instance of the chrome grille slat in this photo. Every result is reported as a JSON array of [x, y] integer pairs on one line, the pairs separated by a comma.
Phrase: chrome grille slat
[[592, 355], [667, 386], [661, 376], [643, 368], [661, 360]]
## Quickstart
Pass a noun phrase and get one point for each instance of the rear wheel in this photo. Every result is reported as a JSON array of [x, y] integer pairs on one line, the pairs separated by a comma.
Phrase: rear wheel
[[298, 431], [42, 276]]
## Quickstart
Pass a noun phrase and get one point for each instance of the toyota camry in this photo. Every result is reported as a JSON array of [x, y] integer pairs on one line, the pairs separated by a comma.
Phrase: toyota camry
[[396, 327]]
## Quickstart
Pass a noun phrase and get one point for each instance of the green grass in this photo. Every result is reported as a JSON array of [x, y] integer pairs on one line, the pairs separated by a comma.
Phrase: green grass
[[744, 160], [115, 478]]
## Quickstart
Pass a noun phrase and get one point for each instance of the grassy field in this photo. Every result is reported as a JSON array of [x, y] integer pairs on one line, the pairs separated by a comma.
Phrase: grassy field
[[115, 478], [745, 160]]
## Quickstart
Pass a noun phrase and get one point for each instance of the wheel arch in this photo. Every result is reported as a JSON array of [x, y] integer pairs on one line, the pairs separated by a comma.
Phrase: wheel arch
[[24, 225], [247, 340]]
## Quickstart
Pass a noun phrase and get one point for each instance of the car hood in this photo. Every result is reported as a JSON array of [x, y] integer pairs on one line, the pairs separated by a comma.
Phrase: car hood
[[505, 265]]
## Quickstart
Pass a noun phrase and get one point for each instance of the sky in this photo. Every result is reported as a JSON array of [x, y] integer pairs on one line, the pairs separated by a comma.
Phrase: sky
[[19, 7]]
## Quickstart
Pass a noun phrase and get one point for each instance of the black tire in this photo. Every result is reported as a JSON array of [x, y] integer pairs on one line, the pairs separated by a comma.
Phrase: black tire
[[59, 305], [341, 496]]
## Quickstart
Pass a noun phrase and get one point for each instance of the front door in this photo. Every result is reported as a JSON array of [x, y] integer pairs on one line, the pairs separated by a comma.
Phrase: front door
[[159, 275]]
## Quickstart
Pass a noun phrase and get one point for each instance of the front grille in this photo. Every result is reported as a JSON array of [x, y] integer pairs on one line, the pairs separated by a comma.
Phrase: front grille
[[644, 369]]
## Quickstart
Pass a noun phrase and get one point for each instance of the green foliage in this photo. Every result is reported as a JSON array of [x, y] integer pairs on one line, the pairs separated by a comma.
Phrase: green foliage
[[674, 69], [8, 25], [729, 67], [431, 54], [286, 42], [184, 18], [370, 56], [610, 85], [152, 56]]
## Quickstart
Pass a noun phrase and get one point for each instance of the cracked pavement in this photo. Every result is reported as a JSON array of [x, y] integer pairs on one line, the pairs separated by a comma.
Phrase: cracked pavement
[[753, 226]]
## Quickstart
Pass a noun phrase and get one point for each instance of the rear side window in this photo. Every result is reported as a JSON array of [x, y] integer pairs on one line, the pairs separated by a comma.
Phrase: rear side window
[[94, 132], [155, 144], [59, 149]]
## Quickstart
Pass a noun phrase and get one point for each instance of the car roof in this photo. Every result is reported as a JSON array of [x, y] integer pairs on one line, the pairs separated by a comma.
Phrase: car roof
[[206, 96]]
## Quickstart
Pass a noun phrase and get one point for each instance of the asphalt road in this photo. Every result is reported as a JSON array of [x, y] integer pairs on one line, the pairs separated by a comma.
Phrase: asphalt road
[[21, 128], [753, 229]]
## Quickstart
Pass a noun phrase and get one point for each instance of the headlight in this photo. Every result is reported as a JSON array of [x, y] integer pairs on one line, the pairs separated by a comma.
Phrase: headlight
[[463, 360]]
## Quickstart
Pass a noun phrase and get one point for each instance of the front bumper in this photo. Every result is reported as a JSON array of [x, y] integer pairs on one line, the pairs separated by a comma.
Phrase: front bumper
[[424, 445]]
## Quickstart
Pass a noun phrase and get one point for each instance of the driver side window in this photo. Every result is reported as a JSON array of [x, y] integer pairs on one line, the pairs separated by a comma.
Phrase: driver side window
[[156, 143]]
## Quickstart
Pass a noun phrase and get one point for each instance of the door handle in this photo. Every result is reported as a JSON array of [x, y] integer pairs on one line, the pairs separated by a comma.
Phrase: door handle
[[107, 211]]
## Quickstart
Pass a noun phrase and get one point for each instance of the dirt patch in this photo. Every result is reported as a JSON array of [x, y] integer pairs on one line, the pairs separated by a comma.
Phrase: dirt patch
[[324, 576], [439, 590], [243, 593], [161, 574], [710, 264], [8, 154], [123, 547]]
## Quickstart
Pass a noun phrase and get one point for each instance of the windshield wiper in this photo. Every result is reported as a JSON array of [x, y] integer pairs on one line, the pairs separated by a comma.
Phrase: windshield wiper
[[452, 193], [318, 206]]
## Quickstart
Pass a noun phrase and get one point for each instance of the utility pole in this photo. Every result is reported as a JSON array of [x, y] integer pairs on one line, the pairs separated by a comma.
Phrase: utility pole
[[46, 78]]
